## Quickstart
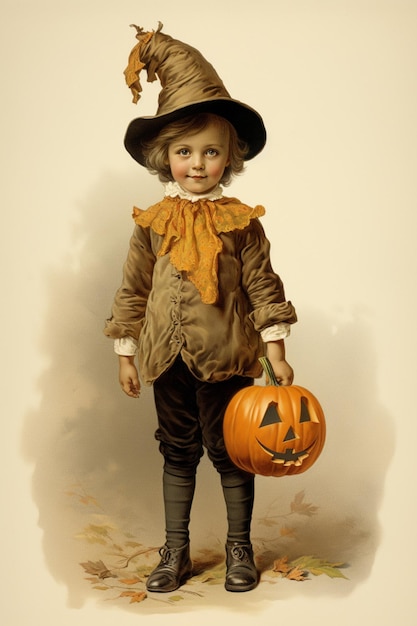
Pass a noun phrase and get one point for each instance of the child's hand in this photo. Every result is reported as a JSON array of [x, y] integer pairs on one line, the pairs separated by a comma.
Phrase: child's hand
[[128, 376], [282, 370]]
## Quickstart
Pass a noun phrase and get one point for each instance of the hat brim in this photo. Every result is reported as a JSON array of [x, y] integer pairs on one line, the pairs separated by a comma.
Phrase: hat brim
[[247, 122]]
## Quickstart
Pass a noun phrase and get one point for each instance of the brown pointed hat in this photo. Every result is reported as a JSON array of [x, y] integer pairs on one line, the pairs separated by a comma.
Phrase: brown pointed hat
[[190, 85]]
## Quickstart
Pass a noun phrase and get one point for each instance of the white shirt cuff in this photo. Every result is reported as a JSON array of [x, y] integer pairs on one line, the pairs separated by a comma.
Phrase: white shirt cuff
[[125, 346], [276, 332]]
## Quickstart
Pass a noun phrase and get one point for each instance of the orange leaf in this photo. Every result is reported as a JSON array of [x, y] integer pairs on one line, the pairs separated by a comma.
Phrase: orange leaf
[[281, 565], [130, 581], [296, 574], [140, 596], [135, 596]]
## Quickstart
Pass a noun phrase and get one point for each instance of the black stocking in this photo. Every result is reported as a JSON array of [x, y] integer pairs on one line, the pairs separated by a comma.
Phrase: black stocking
[[178, 497], [239, 504]]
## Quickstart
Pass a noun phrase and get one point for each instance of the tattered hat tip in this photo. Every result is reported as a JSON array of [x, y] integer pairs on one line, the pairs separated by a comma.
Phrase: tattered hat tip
[[140, 31]]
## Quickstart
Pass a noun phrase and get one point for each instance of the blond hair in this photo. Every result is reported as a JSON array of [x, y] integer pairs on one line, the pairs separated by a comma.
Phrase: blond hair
[[156, 149]]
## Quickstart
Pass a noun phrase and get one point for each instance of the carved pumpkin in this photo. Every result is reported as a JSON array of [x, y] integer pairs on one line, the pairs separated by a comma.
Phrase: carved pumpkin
[[274, 430]]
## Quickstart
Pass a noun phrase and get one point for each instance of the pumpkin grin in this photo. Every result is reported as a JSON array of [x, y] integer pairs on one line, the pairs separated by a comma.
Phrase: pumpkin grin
[[288, 457]]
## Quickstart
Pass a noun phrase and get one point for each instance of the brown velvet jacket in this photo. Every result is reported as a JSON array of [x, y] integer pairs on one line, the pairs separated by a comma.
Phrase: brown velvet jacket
[[157, 305]]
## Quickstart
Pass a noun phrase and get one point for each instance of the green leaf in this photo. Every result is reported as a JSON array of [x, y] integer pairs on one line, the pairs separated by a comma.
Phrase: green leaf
[[330, 570], [317, 566]]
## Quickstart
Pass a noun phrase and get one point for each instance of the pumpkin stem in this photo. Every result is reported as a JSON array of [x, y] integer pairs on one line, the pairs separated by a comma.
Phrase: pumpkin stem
[[267, 367]]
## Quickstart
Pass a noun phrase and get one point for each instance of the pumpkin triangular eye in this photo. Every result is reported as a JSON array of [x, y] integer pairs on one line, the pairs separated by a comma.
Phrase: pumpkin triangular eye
[[305, 415], [271, 415]]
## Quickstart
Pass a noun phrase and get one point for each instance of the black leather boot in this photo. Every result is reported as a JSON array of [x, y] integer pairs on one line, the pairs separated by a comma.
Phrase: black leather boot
[[173, 569], [241, 572]]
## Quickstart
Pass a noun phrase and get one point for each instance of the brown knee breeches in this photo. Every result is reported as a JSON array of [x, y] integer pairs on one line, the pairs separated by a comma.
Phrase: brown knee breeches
[[190, 418]]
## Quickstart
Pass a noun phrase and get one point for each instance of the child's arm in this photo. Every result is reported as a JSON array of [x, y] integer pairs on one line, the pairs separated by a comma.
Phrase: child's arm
[[276, 355], [128, 376]]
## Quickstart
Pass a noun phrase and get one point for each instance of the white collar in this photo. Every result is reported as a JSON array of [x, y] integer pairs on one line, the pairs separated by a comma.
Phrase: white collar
[[174, 189]]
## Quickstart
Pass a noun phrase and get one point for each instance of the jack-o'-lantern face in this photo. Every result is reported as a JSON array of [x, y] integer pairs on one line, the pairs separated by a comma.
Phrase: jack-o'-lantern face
[[293, 434], [274, 430]]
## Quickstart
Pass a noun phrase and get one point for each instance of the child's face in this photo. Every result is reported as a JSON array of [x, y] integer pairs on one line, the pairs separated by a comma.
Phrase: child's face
[[198, 161]]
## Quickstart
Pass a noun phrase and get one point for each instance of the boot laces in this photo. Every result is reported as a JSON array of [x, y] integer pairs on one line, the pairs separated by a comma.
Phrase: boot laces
[[169, 556], [240, 553]]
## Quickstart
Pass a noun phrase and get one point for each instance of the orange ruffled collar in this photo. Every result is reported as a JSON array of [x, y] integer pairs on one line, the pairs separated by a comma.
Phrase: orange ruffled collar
[[190, 231]]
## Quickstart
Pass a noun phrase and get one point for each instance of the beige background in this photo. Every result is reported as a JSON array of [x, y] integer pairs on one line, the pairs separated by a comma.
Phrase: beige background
[[336, 84]]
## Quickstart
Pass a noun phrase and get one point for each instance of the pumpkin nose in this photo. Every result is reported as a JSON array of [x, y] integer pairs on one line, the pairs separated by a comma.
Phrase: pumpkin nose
[[290, 435]]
